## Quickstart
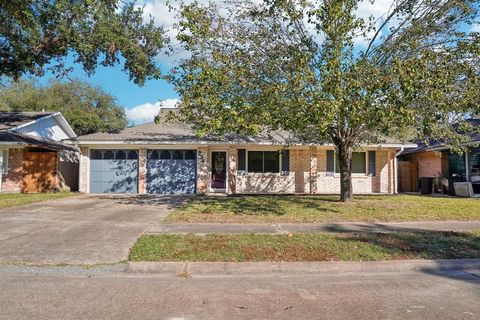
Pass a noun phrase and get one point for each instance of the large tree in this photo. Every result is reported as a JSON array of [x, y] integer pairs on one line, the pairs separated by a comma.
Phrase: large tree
[[39, 34], [87, 108], [297, 66]]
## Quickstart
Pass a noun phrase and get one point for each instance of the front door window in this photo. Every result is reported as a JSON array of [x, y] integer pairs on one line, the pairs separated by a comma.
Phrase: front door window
[[219, 170]]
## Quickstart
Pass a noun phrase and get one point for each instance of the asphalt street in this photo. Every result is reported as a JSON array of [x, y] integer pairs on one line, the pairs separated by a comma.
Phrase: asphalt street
[[115, 293]]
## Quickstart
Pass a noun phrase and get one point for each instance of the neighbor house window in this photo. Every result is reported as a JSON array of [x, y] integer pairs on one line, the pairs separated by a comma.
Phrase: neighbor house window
[[263, 161], [359, 163]]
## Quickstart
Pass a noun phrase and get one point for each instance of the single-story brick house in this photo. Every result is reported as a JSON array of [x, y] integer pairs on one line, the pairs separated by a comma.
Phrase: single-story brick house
[[33, 157], [438, 161], [169, 158]]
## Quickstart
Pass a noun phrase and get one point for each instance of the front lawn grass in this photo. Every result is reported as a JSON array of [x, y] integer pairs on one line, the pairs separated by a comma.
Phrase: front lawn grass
[[279, 208], [307, 247], [16, 199]]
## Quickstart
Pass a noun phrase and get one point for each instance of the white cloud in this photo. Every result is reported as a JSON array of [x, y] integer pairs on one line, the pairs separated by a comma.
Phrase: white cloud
[[475, 28], [146, 112], [379, 10]]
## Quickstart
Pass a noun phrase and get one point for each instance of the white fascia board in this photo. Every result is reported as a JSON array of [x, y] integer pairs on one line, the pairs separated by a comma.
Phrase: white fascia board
[[65, 125]]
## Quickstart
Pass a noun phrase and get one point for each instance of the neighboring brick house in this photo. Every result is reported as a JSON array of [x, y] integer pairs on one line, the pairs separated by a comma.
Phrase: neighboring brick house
[[435, 160], [169, 158], [32, 156]]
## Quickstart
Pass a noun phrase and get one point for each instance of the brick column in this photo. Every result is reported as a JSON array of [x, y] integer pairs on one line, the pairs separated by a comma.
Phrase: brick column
[[84, 165], [232, 170], [142, 170], [313, 169], [202, 170]]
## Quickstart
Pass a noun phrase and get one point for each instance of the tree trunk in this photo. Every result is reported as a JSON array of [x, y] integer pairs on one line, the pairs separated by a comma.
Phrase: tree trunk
[[345, 163]]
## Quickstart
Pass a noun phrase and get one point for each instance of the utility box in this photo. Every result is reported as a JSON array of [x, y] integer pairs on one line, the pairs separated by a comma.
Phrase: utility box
[[463, 189]]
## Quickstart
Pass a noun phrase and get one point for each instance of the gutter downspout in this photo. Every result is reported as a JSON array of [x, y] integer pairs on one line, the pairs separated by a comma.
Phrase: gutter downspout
[[395, 170], [467, 166]]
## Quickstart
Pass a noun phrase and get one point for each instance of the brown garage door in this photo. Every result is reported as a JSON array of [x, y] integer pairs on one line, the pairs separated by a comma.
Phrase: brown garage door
[[39, 171]]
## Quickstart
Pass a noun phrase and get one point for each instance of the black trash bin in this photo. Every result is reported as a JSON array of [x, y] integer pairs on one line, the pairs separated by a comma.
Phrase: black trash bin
[[426, 185]]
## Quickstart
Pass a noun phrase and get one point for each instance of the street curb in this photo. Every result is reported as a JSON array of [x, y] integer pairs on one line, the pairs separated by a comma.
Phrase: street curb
[[192, 269]]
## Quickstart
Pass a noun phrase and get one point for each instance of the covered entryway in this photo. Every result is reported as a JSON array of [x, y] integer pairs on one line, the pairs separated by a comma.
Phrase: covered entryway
[[171, 171], [114, 171]]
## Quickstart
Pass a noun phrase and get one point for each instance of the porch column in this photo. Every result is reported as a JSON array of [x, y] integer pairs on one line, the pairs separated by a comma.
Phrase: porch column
[[232, 170], [142, 170], [313, 169], [84, 167], [202, 170]]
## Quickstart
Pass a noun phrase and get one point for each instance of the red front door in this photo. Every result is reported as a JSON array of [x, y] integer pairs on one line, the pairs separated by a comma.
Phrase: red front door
[[219, 170]]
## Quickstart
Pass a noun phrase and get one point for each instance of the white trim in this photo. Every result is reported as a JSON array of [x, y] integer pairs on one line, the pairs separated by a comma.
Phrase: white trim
[[227, 170], [65, 124]]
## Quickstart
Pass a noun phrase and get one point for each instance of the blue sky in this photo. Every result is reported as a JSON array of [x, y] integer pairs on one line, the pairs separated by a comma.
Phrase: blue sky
[[143, 102]]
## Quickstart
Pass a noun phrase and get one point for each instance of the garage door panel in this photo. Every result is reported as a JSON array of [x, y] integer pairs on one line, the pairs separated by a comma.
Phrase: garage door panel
[[183, 175], [169, 176], [113, 175]]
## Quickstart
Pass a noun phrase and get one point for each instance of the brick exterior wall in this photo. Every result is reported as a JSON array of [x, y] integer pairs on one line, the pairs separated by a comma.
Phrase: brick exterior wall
[[202, 170], [300, 166], [84, 162], [266, 183], [142, 170], [13, 180], [313, 169], [232, 170], [307, 174], [382, 182]]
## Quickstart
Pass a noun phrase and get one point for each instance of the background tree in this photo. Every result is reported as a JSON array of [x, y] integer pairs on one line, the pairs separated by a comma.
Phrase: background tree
[[87, 108], [36, 34], [294, 66]]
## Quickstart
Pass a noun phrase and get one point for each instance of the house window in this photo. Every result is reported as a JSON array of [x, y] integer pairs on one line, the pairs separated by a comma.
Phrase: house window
[[359, 163], [263, 161], [3, 161]]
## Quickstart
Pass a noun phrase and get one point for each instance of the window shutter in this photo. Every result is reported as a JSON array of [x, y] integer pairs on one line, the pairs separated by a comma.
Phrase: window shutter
[[330, 162], [285, 162], [241, 161], [372, 163]]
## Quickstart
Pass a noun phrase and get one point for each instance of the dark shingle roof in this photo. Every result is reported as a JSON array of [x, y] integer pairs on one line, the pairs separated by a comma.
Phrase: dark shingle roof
[[435, 145], [173, 132], [28, 140], [10, 120]]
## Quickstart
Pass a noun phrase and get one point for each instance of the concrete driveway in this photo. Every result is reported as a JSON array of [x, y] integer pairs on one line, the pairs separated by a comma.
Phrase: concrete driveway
[[86, 229]]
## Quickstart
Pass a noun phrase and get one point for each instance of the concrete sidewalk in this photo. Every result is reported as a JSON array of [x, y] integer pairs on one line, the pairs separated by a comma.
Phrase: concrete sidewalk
[[282, 228], [232, 269]]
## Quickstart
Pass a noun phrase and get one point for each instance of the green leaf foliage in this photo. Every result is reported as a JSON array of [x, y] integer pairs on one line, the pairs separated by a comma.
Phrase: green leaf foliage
[[295, 66], [36, 34], [87, 108]]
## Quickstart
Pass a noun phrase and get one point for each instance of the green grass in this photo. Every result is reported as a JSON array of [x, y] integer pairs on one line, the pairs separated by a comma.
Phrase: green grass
[[307, 247], [16, 199], [272, 209]]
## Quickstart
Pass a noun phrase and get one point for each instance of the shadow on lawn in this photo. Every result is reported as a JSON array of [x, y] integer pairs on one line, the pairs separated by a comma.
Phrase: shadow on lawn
[[432, 245], [264, 205], [168, 201]]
